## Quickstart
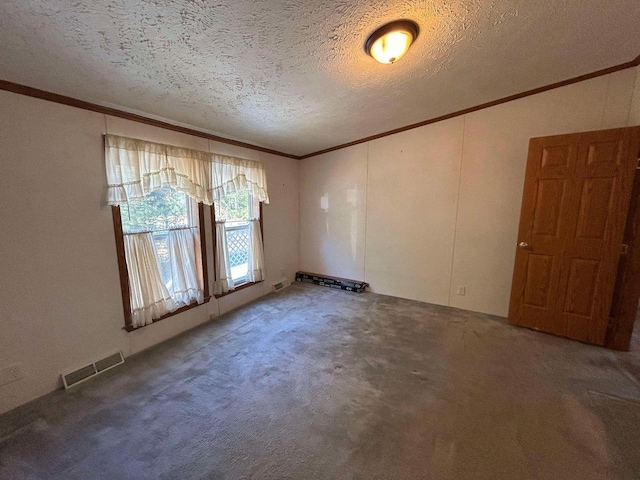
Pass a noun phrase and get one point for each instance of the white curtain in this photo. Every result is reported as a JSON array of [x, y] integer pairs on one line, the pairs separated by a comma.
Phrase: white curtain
[[149, 296], [223, 282], [186, 285], [230, 175], [137, 167], [256, 271]]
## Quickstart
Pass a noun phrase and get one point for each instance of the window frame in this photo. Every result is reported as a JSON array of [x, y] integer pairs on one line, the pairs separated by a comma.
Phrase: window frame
[[244, 285], [124, 273]]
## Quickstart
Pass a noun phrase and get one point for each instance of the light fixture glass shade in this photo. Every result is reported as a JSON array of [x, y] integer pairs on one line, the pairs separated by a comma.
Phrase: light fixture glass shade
[[390, 42], [391, 47]]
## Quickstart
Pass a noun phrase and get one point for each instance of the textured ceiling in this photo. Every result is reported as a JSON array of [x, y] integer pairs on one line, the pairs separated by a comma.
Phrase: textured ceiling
[[291, 74]]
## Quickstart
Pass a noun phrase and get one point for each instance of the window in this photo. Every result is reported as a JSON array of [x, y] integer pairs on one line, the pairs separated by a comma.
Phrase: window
[[159, 231], [162, 228], [238, 258], [236, 210]]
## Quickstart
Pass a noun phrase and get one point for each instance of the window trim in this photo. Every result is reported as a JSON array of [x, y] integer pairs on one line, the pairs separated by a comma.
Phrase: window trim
[[215, 269], [124, 274]]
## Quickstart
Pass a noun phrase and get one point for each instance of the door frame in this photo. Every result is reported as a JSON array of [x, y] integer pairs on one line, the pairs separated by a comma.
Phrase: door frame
[[626, 296]]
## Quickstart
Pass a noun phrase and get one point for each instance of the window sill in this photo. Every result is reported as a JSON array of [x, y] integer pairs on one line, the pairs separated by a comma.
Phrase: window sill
[[238, 288], [131, 328]]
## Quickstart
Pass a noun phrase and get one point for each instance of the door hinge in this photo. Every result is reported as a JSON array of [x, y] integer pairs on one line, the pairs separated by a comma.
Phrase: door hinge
[[625, 249]]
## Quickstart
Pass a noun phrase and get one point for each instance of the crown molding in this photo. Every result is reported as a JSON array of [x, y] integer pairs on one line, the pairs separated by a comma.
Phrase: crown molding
[[73, 102], [114, 112], [623, 66]]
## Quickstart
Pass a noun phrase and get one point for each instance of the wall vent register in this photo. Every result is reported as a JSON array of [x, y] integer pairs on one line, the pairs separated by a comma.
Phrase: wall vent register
[[89, 371]]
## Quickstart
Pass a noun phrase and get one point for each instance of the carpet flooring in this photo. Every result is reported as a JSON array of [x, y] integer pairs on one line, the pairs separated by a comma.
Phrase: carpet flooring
[[315, 383]]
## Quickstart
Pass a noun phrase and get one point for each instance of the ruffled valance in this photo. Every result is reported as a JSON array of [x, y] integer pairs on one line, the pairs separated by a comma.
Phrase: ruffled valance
[[136, 168]]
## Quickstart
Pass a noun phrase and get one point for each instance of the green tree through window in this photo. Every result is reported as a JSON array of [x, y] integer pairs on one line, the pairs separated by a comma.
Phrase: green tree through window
[[159, 210], [234, 207]]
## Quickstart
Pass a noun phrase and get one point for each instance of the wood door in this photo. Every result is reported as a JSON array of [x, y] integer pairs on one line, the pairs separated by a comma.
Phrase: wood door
[[574, 210]]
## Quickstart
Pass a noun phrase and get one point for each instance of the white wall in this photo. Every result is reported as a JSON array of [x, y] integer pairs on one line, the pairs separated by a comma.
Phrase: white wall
[[61, 304], [332, 208], [411, 211], [438, 206]]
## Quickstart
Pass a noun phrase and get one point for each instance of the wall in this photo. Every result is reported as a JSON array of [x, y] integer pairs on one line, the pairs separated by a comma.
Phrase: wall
[[58, 268], [420, 213]]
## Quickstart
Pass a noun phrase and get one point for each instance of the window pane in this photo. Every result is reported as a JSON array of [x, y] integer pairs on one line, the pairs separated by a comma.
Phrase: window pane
[[237, 209], [238, 246], [161, 243], [159, 210], [234, 207]]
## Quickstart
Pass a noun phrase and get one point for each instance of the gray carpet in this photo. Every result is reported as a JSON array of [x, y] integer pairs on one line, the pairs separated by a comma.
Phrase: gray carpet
[[314, 383]]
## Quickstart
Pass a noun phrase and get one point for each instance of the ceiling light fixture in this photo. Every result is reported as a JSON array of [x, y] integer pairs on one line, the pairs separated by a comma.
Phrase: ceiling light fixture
[[390, 42]]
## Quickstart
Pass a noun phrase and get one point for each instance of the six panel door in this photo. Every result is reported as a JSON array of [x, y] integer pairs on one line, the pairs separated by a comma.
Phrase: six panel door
[[574, 208]]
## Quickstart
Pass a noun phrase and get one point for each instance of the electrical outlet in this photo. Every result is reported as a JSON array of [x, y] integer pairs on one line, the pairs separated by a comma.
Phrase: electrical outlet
[[10, 374], [462, 291], [212, 316]]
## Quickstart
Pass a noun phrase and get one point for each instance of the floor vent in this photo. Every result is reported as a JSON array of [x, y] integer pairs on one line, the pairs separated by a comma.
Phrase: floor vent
[[85, 373], [280, 285]]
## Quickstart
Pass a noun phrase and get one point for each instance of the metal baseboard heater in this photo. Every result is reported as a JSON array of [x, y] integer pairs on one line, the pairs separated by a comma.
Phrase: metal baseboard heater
[[332, 282], [85, 373]]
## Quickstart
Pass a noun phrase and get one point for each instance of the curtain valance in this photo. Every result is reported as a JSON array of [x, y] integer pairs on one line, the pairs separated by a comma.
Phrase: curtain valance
[[137, 167]]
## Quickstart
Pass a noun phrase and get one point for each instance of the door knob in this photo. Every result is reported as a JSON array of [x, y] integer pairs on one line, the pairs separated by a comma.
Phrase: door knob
[[523, 245]]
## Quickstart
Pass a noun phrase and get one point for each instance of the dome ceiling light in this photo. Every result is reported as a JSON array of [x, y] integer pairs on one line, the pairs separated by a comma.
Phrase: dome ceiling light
[[390, 42]]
